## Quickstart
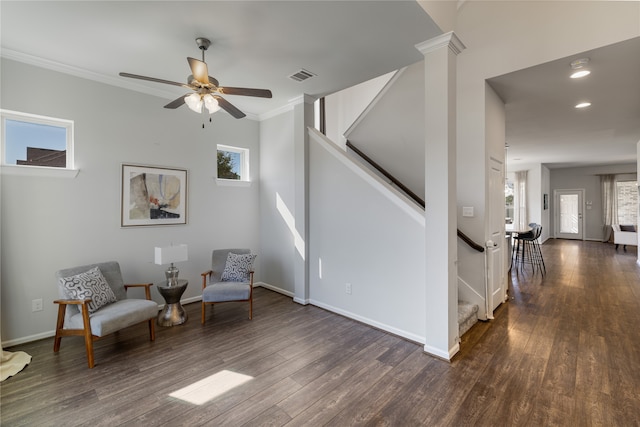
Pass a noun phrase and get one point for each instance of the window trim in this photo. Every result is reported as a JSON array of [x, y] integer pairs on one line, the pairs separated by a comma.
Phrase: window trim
[[29, 170], [245, 171]]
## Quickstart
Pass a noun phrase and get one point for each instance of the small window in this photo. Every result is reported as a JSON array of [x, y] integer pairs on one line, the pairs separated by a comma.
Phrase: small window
[[30, 140], [233, 163]]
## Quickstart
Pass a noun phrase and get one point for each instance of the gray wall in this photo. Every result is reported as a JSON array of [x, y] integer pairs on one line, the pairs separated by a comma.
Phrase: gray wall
[[277, 181], [364, 234], [52, 223], [586, 178]]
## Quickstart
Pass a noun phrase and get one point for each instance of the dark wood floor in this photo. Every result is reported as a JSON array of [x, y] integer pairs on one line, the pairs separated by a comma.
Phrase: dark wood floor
[[565, 350]]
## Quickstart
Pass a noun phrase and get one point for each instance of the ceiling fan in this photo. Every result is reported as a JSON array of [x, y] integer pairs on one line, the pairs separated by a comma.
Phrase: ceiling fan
[[206, 89]]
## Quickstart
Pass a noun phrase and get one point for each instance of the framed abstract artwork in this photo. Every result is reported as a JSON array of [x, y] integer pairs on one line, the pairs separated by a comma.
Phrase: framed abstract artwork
[[153, 196]]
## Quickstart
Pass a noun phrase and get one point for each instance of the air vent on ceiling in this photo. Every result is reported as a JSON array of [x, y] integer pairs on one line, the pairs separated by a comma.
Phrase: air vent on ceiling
[[301, 75]]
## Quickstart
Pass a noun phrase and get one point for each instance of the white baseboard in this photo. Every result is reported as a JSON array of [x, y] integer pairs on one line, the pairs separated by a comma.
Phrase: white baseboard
[[350, 315], [185, 301], [440, 354], [399, 332], [30, 338], [274, 289]]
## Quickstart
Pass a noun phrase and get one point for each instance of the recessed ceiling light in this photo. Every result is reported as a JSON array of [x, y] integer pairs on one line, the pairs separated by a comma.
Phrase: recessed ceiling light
[[579, 74], [583, 105], [578, 67]]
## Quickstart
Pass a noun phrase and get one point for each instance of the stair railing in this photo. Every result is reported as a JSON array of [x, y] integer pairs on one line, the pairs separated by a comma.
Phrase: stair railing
[[473, 245]]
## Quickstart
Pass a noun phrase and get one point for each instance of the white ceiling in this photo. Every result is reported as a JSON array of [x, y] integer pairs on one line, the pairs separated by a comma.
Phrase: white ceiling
[[254, 44], [544, 127], [260, 43]]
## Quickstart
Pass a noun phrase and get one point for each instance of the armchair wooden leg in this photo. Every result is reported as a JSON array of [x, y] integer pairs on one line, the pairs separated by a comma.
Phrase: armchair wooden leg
[[152, 329], [59, 326], [88, 336]]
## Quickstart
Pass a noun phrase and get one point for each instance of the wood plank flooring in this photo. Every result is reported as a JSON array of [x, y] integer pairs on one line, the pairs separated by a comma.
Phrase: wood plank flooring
[[563, 351]]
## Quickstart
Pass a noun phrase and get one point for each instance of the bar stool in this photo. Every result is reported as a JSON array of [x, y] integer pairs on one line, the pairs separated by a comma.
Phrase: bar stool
[[527, 249]]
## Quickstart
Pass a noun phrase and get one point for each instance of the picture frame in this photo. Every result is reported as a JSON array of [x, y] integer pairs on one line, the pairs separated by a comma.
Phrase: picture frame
[[153, 195]]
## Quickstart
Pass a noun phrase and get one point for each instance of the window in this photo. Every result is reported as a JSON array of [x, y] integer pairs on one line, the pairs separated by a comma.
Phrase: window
[[30, 140], [508, 201], [627, 198], [233, 164]]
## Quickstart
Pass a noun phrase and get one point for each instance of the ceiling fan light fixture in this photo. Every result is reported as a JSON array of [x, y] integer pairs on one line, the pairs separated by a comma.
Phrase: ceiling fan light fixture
[[194, 102], [210, 103]]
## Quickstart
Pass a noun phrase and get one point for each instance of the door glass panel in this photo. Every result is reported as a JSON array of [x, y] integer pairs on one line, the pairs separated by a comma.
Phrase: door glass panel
[[569, 214]]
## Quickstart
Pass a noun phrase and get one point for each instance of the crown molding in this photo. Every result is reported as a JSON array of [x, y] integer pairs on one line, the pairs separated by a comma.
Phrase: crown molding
[[82, 73], [91, 75], [304, 98]]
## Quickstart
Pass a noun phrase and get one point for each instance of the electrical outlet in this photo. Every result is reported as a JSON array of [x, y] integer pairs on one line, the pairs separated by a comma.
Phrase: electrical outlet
[[347, 288], [36, 304]]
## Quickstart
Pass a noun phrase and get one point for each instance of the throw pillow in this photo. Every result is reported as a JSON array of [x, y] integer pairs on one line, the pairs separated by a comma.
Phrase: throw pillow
[[627, 228], [90, 284], [237, 267]]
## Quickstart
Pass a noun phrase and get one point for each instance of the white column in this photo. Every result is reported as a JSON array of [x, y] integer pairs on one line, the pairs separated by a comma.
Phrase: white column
[[303, 118], [440, 195]]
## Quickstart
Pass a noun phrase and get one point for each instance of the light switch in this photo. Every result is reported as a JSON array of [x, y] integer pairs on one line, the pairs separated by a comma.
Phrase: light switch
[[467, 211]]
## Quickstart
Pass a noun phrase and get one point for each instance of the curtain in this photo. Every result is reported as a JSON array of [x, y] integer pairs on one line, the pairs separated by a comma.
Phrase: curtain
[[609, 204], [520, 201]]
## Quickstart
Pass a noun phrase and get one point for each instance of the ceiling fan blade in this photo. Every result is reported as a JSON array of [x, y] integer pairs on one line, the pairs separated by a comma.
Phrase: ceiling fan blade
[[177, 103], [199, 70], [214, 81], [153, 79], [261, 93], [229, 108]]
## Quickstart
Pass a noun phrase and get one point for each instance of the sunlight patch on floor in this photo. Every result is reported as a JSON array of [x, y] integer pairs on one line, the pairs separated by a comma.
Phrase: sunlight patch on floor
[[211, 387]]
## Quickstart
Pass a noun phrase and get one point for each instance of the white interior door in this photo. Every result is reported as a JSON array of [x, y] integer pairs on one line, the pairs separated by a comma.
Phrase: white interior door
[[497, 278], [568, 209]]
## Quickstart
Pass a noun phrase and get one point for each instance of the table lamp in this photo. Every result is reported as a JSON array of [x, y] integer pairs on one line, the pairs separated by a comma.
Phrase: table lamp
[[169, 255]]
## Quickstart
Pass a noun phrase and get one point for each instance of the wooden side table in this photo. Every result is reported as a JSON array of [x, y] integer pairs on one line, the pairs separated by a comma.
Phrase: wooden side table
[[173, 313]]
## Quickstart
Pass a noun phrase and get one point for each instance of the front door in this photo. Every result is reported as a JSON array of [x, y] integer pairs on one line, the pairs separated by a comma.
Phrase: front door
[[568, 214]]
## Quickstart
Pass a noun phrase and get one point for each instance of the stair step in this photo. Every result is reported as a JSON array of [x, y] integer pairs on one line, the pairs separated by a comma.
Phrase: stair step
[[467, 316]]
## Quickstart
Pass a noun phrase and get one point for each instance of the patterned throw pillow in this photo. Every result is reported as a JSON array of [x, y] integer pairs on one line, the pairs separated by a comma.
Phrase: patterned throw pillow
[[237, 267], [90, 284]]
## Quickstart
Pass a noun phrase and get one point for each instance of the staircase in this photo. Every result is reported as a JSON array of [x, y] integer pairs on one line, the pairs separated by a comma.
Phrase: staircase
[[467, 316]]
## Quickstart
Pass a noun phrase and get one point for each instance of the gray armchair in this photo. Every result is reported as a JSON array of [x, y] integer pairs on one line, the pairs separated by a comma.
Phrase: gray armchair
[[93, 303], [230, 279]]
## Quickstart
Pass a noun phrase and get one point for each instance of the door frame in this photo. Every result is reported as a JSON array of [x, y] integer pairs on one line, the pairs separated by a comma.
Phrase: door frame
[[556, 210], [495, 265]]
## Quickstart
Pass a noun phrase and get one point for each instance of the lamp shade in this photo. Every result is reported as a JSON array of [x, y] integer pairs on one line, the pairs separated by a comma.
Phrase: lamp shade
[[170, 254], [211, 103], [194, 101]]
